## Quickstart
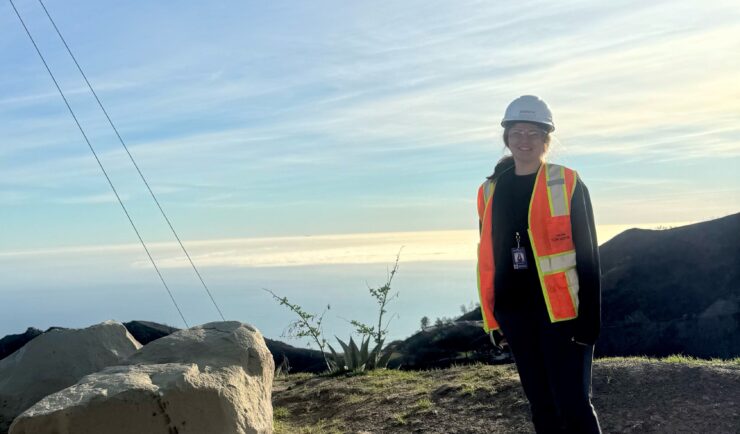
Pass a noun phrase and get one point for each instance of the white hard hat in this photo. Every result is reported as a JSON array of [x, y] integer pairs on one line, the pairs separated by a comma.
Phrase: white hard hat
[[529, 108]]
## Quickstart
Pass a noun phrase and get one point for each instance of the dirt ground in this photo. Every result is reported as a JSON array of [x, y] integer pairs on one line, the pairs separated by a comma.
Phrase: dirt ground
[[631, 395]]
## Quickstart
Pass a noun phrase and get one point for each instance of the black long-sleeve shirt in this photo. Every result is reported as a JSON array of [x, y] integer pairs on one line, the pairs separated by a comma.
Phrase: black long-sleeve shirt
[[521, 289]]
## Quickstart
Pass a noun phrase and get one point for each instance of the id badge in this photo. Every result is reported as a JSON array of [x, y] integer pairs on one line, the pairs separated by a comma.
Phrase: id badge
[[519, 258]]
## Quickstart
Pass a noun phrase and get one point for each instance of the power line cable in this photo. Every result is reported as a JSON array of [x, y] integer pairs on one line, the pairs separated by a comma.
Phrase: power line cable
[[120, 139], [99, 163]]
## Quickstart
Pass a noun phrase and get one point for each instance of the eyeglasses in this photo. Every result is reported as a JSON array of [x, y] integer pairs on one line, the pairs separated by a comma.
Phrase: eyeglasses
[[529, 134]]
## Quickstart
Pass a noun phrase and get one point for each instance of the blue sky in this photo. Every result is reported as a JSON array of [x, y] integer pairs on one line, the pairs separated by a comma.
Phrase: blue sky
[[325, 121]]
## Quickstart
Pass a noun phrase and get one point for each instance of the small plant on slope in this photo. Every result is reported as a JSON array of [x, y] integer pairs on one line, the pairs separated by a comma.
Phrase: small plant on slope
[[307, 325], [383, 296]]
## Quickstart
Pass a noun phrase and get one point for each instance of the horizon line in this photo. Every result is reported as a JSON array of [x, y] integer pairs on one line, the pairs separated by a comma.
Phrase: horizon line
[[605, 232]]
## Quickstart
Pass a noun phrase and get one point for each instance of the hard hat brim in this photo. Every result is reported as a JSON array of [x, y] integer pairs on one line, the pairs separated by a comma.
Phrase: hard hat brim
[[546, 127]]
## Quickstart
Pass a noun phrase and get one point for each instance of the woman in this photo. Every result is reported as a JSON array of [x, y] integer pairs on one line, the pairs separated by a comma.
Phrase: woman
[[538, 271]]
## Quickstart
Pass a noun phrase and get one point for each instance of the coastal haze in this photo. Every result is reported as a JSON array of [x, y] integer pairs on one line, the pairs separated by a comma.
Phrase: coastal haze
[[300, 147], [436, 277]]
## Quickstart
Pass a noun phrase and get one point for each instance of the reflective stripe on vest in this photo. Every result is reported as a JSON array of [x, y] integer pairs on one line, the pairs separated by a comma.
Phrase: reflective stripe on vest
[[550, 236]]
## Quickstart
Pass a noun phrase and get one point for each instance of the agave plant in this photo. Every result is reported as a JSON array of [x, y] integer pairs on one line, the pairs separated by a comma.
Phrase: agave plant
[[379, 359], [357, 359]]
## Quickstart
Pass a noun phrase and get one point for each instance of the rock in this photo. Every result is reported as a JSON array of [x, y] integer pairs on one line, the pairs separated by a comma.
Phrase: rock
[[299, 359], [215, 379], [58, 359]]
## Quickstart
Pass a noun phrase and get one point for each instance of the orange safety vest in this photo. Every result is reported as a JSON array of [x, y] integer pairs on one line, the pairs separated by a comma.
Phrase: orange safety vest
[[551, 238]]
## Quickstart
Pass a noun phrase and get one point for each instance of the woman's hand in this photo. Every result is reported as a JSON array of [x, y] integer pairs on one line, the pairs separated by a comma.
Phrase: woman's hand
[[498, 339]]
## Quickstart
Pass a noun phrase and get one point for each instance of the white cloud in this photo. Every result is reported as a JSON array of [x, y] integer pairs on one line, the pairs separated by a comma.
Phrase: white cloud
[[368, 248], [292, 251]]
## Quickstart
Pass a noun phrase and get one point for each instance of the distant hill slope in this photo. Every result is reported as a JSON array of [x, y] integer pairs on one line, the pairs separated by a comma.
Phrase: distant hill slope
[[631, 395], [457, 343], [12, 343], [673, 291], [147, 331]]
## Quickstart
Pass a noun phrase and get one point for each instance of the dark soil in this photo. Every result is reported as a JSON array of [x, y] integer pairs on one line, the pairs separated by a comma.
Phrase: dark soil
[[631, 395]]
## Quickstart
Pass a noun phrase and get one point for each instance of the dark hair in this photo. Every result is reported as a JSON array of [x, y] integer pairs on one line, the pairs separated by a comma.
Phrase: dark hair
[[505, 164]]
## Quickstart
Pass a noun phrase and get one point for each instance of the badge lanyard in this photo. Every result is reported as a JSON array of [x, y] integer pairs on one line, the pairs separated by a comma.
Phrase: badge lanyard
[[519, 255]]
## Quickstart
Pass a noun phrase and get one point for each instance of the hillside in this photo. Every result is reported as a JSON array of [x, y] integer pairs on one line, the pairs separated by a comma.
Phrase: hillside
[[631, 395], [673, 291]]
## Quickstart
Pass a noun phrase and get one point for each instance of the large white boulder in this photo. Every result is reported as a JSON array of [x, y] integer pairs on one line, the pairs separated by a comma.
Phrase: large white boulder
[[58, 359], [215, 379]]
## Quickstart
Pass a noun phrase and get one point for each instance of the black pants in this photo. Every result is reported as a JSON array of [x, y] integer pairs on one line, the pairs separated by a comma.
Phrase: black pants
[[555, 372]]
